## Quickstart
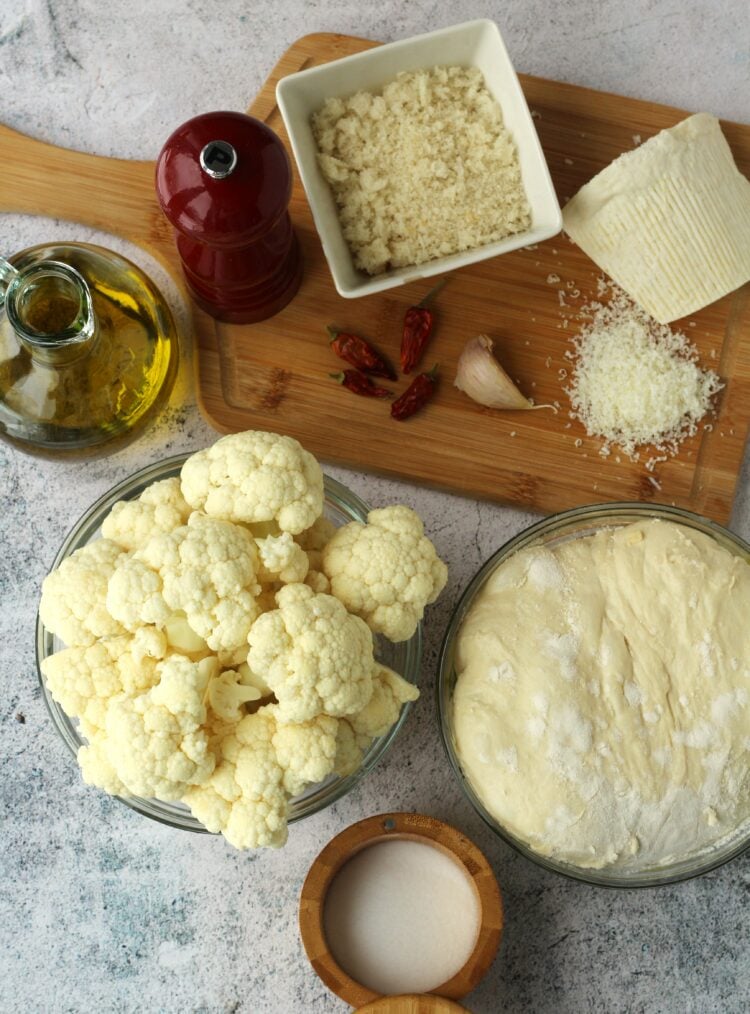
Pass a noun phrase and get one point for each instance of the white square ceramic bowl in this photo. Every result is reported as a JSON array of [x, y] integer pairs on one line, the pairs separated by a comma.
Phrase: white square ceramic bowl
[[472, 44]]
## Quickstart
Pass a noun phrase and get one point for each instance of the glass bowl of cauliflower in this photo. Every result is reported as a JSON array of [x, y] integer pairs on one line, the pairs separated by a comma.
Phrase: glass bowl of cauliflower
[[229, 641]]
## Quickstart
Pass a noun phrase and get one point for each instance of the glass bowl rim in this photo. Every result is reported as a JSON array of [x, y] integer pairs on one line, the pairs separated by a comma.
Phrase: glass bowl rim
[[316, 797], [598, 514]]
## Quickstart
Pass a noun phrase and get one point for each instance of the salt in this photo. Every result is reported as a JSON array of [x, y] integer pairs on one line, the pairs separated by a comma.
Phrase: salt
[[401, 917]]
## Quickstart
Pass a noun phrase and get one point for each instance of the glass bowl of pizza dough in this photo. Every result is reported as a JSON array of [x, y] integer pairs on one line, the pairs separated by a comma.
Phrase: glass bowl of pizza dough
[[594, 694]]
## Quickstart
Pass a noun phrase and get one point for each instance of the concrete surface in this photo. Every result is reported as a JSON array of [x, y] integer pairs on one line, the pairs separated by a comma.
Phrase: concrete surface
[[103, 910]]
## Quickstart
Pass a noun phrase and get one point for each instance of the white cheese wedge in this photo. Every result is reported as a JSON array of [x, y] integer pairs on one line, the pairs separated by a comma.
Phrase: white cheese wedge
[[669, 221]]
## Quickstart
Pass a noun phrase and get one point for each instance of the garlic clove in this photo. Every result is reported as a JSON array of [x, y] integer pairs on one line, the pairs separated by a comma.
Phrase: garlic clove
[[482, 378]]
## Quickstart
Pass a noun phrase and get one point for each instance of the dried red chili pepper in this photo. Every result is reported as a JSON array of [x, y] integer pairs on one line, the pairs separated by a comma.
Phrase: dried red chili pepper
[[355, 350], [416, 395], [418, 322], [357, 382]]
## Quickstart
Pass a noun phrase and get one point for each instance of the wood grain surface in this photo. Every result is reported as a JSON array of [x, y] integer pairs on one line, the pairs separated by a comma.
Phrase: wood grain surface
[[370, 832], [274, 375]]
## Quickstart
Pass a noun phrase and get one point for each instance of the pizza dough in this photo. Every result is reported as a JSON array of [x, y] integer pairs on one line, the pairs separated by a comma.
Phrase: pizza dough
[[602, 708], [669, 221]]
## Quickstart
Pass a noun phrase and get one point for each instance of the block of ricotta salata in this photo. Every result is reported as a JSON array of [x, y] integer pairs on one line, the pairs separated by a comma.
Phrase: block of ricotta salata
[[669, 221]]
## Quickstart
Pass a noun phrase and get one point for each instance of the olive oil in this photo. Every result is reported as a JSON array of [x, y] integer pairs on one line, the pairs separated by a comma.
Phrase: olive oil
[[64, 387], [51, 308]]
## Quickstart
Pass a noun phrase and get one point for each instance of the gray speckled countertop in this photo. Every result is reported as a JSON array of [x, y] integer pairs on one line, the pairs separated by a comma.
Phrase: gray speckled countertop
[[103, 910]]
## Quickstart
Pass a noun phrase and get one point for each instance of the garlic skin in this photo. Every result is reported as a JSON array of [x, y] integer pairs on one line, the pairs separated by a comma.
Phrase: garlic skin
[[482, 378]]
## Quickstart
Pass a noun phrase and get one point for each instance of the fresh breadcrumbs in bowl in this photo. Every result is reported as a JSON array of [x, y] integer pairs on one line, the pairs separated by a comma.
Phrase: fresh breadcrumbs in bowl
[[423, 169]]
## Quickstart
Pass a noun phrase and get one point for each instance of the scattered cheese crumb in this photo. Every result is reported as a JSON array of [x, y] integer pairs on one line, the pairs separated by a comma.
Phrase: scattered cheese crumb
[[637, 382], [552, 279], [422, 170]]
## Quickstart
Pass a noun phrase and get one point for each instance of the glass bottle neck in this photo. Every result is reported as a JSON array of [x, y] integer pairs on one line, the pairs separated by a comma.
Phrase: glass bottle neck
[[49, 307]]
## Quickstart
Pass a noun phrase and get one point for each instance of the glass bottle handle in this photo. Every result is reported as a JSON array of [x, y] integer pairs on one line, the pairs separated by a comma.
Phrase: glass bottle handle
[[7, 274]]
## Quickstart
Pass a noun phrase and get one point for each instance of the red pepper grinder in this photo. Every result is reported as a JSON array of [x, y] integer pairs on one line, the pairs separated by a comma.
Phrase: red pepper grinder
[[224, 182]]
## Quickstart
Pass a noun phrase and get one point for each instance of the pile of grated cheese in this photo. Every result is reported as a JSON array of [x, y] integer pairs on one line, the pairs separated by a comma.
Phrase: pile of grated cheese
[[635, 381]]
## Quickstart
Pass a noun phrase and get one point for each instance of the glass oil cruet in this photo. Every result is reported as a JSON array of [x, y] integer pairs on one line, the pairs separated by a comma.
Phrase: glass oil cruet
[[88, 348]]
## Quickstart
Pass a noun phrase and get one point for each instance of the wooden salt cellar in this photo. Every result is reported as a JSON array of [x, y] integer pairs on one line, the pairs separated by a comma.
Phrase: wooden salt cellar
[[426, 831], [412, 1003]]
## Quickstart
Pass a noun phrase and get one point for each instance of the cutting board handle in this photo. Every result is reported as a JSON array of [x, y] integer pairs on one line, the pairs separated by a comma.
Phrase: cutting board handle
[[115, 195]]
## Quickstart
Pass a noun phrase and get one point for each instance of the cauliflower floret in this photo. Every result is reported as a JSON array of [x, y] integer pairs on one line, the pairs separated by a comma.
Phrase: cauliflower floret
[[154, 741], [317, 536], [389, 692], [306, 752], [73, 596], [235, 658], [314, 656], [253, 679], [317, 580], [148, 642], [245, 798], [208, 571], [96, 768], [356, 732], [85, 679], [134, 595], [386, 571], [313, 541], [281, 559], [181, 636], [256, 476], [227, 694], [349, 752], [160, 508]]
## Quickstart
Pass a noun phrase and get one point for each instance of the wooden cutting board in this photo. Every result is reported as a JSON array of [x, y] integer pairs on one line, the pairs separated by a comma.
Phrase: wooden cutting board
[[274, 375]]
